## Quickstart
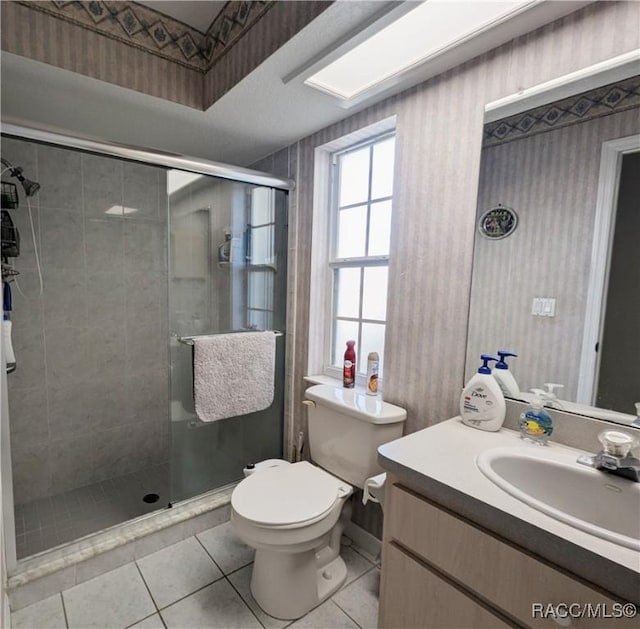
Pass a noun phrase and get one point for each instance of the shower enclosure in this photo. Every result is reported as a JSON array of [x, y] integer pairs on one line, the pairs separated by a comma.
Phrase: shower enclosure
[[123, 253]]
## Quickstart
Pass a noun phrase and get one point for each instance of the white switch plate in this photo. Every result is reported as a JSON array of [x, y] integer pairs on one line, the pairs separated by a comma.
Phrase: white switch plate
[[544, 307]]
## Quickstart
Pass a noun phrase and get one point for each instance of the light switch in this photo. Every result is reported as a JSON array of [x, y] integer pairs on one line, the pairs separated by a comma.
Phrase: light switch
[[543, 307]]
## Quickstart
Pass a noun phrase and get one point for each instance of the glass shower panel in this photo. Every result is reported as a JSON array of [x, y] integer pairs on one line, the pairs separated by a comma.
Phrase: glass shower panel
[[227, 273]]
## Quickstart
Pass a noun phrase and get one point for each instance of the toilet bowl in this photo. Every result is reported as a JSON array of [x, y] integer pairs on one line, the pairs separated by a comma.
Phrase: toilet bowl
[[294, 515]]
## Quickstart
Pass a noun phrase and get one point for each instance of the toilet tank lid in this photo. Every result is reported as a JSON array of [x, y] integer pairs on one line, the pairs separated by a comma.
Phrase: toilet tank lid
[[364, 407]]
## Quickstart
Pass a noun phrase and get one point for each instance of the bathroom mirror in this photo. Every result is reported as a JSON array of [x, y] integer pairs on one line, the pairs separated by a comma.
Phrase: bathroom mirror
[[563, 289]]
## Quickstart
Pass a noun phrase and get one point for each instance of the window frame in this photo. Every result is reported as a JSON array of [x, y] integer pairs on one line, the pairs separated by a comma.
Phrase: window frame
[[362, 262]]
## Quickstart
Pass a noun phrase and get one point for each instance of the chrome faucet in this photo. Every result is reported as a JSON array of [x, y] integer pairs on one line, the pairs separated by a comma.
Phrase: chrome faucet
[[615, 456]]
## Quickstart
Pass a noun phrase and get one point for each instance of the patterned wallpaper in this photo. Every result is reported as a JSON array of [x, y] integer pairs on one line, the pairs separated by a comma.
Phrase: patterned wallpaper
[[439, 137], [133, 46]]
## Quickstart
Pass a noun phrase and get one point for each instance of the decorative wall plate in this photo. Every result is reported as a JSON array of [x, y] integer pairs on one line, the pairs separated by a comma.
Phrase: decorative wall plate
[[498, 222]]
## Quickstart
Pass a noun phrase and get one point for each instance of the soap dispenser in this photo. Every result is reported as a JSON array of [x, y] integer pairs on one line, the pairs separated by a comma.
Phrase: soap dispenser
[[503, 375], [482, 404], [535, 423]]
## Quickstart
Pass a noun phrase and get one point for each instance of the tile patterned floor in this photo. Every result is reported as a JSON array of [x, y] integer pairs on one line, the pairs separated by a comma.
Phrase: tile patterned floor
[[201, 582], [48, 522]]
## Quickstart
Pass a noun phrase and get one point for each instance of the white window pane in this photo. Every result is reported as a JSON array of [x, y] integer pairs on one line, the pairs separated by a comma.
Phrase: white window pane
[[382, 177], [374, 300], [380, 229], [262, 245], [347, 292], [352, 229], [372, 341], [261, 206], [354, 177], [261, 290], [344, 331]]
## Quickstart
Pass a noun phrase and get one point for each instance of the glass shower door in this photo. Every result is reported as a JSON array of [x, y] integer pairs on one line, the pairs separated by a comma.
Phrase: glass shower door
[[227, 273]]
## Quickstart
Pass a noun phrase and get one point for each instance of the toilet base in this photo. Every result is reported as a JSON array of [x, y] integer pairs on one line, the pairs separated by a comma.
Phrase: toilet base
[[287, 586]]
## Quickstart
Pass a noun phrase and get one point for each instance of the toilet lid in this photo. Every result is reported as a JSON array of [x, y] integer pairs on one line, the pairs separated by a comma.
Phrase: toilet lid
[[292, 494]]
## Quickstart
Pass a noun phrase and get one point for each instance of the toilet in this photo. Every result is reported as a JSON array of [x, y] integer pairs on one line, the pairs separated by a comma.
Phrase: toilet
[[294, 514]]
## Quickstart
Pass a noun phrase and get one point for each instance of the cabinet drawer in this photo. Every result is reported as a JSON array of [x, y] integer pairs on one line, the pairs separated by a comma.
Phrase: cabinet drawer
[[510, 579], [413, 596]]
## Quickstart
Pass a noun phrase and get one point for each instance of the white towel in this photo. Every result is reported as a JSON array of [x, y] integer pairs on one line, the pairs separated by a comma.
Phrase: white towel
[[233, 374], [374, 488]]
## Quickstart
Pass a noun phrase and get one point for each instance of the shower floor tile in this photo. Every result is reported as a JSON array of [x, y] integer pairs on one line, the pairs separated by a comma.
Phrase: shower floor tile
[[48, 522]]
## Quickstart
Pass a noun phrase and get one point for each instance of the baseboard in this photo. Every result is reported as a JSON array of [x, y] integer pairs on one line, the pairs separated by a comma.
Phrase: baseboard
[[365, 540]]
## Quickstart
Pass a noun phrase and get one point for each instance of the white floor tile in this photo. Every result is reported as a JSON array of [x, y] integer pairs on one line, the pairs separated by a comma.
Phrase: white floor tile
[[225, 547], [153, 622], [217, 606], [47, 614], [241, 580], [360, 599], [178, 570], [115, 599], [326, 616]]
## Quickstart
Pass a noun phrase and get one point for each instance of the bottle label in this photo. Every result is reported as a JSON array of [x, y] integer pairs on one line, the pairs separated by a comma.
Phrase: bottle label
[[349, 374]]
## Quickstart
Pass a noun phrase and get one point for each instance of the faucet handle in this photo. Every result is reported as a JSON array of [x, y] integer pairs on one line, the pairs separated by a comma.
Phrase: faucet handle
[[616, 443]]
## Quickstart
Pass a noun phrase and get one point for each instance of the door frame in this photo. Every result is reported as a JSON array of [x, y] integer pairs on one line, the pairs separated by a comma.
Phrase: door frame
[[611, 156]]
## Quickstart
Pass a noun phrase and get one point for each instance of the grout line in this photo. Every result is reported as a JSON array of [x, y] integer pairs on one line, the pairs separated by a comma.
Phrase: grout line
[[345, 613], [246, 604], [153, 600], [215, 563], [64, 611]]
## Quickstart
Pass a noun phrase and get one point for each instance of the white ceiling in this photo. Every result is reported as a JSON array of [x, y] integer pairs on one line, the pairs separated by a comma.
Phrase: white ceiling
[[259, 115], [196, 13]]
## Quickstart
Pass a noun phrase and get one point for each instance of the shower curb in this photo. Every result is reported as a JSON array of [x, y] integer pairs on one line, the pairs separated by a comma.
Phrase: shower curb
[[52, 571]]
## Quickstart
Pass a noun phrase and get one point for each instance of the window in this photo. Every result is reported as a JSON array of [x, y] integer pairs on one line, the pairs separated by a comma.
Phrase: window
[[362, 191], [261, 259]]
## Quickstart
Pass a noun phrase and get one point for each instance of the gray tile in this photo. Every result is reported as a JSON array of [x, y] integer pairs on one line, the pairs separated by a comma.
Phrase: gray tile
[[27, 303], [142, 189], [68, 413], [102, 185], [357, 565], [147, 397], [47, 614], [241, 581], [360, 599], [106, 402], [144, 246], [104, 245], [31, 475], [106, 351], [226, 548], [116, 599], [40, 589], [29, 350], [158, 540], [72, 459], [146, 297], [147, 350], [28, 416], [176, 571], [105, 298], [153, 622], [62, 239], [21, 154], [67, 360], [60, 178], [328, 616], [64, 298], [217, 606]]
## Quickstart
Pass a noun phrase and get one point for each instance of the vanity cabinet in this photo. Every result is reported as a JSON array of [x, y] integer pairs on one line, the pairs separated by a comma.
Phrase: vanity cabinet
[[442, 571]]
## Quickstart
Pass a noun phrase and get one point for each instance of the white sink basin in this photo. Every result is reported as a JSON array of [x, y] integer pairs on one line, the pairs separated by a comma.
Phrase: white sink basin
[[550, 480]]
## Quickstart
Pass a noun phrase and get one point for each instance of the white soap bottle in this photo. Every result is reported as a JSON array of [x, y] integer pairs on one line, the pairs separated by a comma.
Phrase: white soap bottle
[[482, 403], [504, 377]]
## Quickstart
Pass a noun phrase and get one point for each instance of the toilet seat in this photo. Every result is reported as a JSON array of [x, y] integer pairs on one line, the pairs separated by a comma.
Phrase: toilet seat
[[297, 494]]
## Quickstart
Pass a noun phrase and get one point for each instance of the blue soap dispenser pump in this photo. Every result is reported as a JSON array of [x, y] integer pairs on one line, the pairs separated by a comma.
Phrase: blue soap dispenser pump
[[535, 423], [503, 375], [482, 403]]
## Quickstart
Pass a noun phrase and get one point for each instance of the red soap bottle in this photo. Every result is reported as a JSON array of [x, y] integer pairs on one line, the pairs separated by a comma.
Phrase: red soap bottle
[[349, 369]]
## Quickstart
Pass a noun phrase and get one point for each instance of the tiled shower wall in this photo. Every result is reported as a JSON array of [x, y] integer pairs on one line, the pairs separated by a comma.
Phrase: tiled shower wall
[[88, 400]]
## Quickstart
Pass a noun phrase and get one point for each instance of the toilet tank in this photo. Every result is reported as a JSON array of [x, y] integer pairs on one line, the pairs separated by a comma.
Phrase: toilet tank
[[345, 429]]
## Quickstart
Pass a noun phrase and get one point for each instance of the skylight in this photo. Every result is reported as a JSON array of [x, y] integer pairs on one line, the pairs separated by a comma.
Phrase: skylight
[[424, 32]]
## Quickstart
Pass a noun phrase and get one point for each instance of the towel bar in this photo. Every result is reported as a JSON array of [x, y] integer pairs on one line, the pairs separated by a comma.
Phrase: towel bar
[[189, 340]]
